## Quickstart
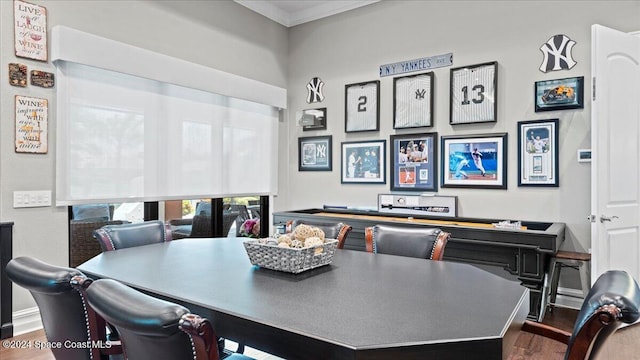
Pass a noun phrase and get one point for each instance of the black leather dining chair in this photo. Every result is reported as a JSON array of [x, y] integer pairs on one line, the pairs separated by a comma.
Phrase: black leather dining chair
[[63, 310], [332, 230], [613, 301], [114, 237], [419, 242], [154, 329]]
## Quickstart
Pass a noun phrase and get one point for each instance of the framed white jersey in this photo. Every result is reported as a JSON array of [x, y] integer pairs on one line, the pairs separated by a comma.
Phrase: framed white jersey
[[413, 101], [474, 94], [362, 111]]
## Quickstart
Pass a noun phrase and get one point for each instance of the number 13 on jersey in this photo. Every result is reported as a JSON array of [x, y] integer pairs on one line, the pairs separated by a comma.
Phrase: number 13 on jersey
[[361, 106], [474, 93]]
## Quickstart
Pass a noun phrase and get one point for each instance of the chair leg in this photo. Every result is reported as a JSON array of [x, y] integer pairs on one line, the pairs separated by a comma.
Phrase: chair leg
[[585, 278], [553, 287]]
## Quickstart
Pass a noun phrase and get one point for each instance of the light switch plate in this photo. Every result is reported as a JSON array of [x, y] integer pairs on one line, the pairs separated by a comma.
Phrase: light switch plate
[[38, 198]]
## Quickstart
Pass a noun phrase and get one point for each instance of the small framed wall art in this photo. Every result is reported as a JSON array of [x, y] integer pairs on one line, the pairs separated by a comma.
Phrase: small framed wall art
[[32, 118], [363, 162], [414, 162], [314, 153], [474, 94], [30, 29], [559, 94], [538, 153], [474, 161], [413, 101], [362, 106]]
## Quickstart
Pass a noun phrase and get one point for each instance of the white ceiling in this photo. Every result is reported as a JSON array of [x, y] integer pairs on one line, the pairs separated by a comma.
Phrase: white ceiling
[[294, 12]]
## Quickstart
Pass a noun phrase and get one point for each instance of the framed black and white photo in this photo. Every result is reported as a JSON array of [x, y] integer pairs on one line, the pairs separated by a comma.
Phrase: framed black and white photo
[[474, 161], [559, 94], [414, 162], [362, 107], [363, 162], [314, 153], [474, 94], [314, 119], [413, 101], [538, 153]]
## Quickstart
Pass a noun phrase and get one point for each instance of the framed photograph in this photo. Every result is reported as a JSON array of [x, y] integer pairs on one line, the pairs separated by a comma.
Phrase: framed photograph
[[474, 161], [559, 94], [314, 119], [363, 162], [413, 101], [474, 94], [362, 107], [538, 153], [314, 153], [584, 155], [32, 119], [30, 30], [414, 162]]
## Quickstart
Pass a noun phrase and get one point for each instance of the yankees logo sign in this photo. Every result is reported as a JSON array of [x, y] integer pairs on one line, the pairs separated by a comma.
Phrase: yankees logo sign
[[314, 88], [557, 54]]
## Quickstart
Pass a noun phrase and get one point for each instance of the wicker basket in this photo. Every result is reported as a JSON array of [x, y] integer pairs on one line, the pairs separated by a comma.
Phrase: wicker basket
[[290, 259]]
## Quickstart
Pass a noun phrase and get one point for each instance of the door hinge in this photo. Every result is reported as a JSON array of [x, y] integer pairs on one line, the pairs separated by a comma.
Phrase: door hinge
[[593, 88], [591, 218]]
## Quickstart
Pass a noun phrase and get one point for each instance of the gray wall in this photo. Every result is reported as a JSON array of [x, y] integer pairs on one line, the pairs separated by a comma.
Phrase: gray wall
[[350, 47], [219, 34]]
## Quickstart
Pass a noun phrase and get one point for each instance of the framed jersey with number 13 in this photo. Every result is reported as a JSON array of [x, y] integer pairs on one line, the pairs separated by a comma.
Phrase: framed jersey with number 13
[[474, 94], [362, 110]]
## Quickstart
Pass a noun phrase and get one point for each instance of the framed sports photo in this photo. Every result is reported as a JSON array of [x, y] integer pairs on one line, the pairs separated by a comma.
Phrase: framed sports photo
[[314, 153], [363, 162], [559, 94], [414, 162], [362, 106], [413, 101], [538, 153], [474, 161], [474, 94]]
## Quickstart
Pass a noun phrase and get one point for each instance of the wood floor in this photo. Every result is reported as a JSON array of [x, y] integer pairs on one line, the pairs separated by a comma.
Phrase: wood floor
[[625, 344]]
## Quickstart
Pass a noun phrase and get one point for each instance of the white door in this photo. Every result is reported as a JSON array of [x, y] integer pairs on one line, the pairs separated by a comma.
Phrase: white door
[[615, 139]]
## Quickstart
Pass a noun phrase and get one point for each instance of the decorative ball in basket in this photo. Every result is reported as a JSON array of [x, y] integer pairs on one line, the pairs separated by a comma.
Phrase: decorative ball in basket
[[304, 249]]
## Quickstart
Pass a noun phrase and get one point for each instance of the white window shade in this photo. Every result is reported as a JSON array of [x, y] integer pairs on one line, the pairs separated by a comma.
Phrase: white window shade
[[122, 137]]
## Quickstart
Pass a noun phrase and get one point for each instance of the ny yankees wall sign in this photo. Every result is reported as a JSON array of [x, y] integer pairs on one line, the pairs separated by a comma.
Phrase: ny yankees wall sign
[[362, 111], [314, 90], [557, 54], [413, 101], [474, 94]]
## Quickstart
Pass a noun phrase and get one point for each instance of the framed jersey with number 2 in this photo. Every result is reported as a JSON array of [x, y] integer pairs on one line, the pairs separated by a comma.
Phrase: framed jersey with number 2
[[474, 94], [362, 111]]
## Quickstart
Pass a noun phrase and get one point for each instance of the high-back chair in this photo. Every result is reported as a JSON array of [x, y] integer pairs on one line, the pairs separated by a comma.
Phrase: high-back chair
[[332, 230], [613, 300], [114, 237], [154, 329], [419, 242], [64, 313]]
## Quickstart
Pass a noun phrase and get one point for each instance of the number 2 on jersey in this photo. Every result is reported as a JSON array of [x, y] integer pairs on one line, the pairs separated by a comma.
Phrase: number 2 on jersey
[[362, 104]]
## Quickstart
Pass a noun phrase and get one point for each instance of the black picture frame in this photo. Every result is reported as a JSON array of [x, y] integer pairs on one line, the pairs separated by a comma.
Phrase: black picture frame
[[319, 117], [362, 107], [315, 153], [414, 172], [474, 94], [413, 101], [461, 169], [363, 168], [559, 94], [538, 153]]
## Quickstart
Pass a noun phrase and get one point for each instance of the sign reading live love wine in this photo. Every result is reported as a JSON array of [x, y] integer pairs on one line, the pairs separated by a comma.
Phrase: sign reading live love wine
[[30, 29], [31, 124]]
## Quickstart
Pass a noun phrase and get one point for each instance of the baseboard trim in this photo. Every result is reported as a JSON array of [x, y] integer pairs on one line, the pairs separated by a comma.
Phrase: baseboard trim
[[26, 320]]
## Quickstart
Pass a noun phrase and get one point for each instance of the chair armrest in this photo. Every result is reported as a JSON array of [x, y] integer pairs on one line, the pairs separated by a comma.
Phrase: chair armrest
[[546, 331], [204, 338], [368, 238], [178, 222], [438, 247]]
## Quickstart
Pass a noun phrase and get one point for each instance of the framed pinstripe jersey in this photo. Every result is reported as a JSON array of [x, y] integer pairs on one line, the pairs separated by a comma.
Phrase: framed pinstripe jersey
[[362, 109], [413, 101], [474, 94]]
